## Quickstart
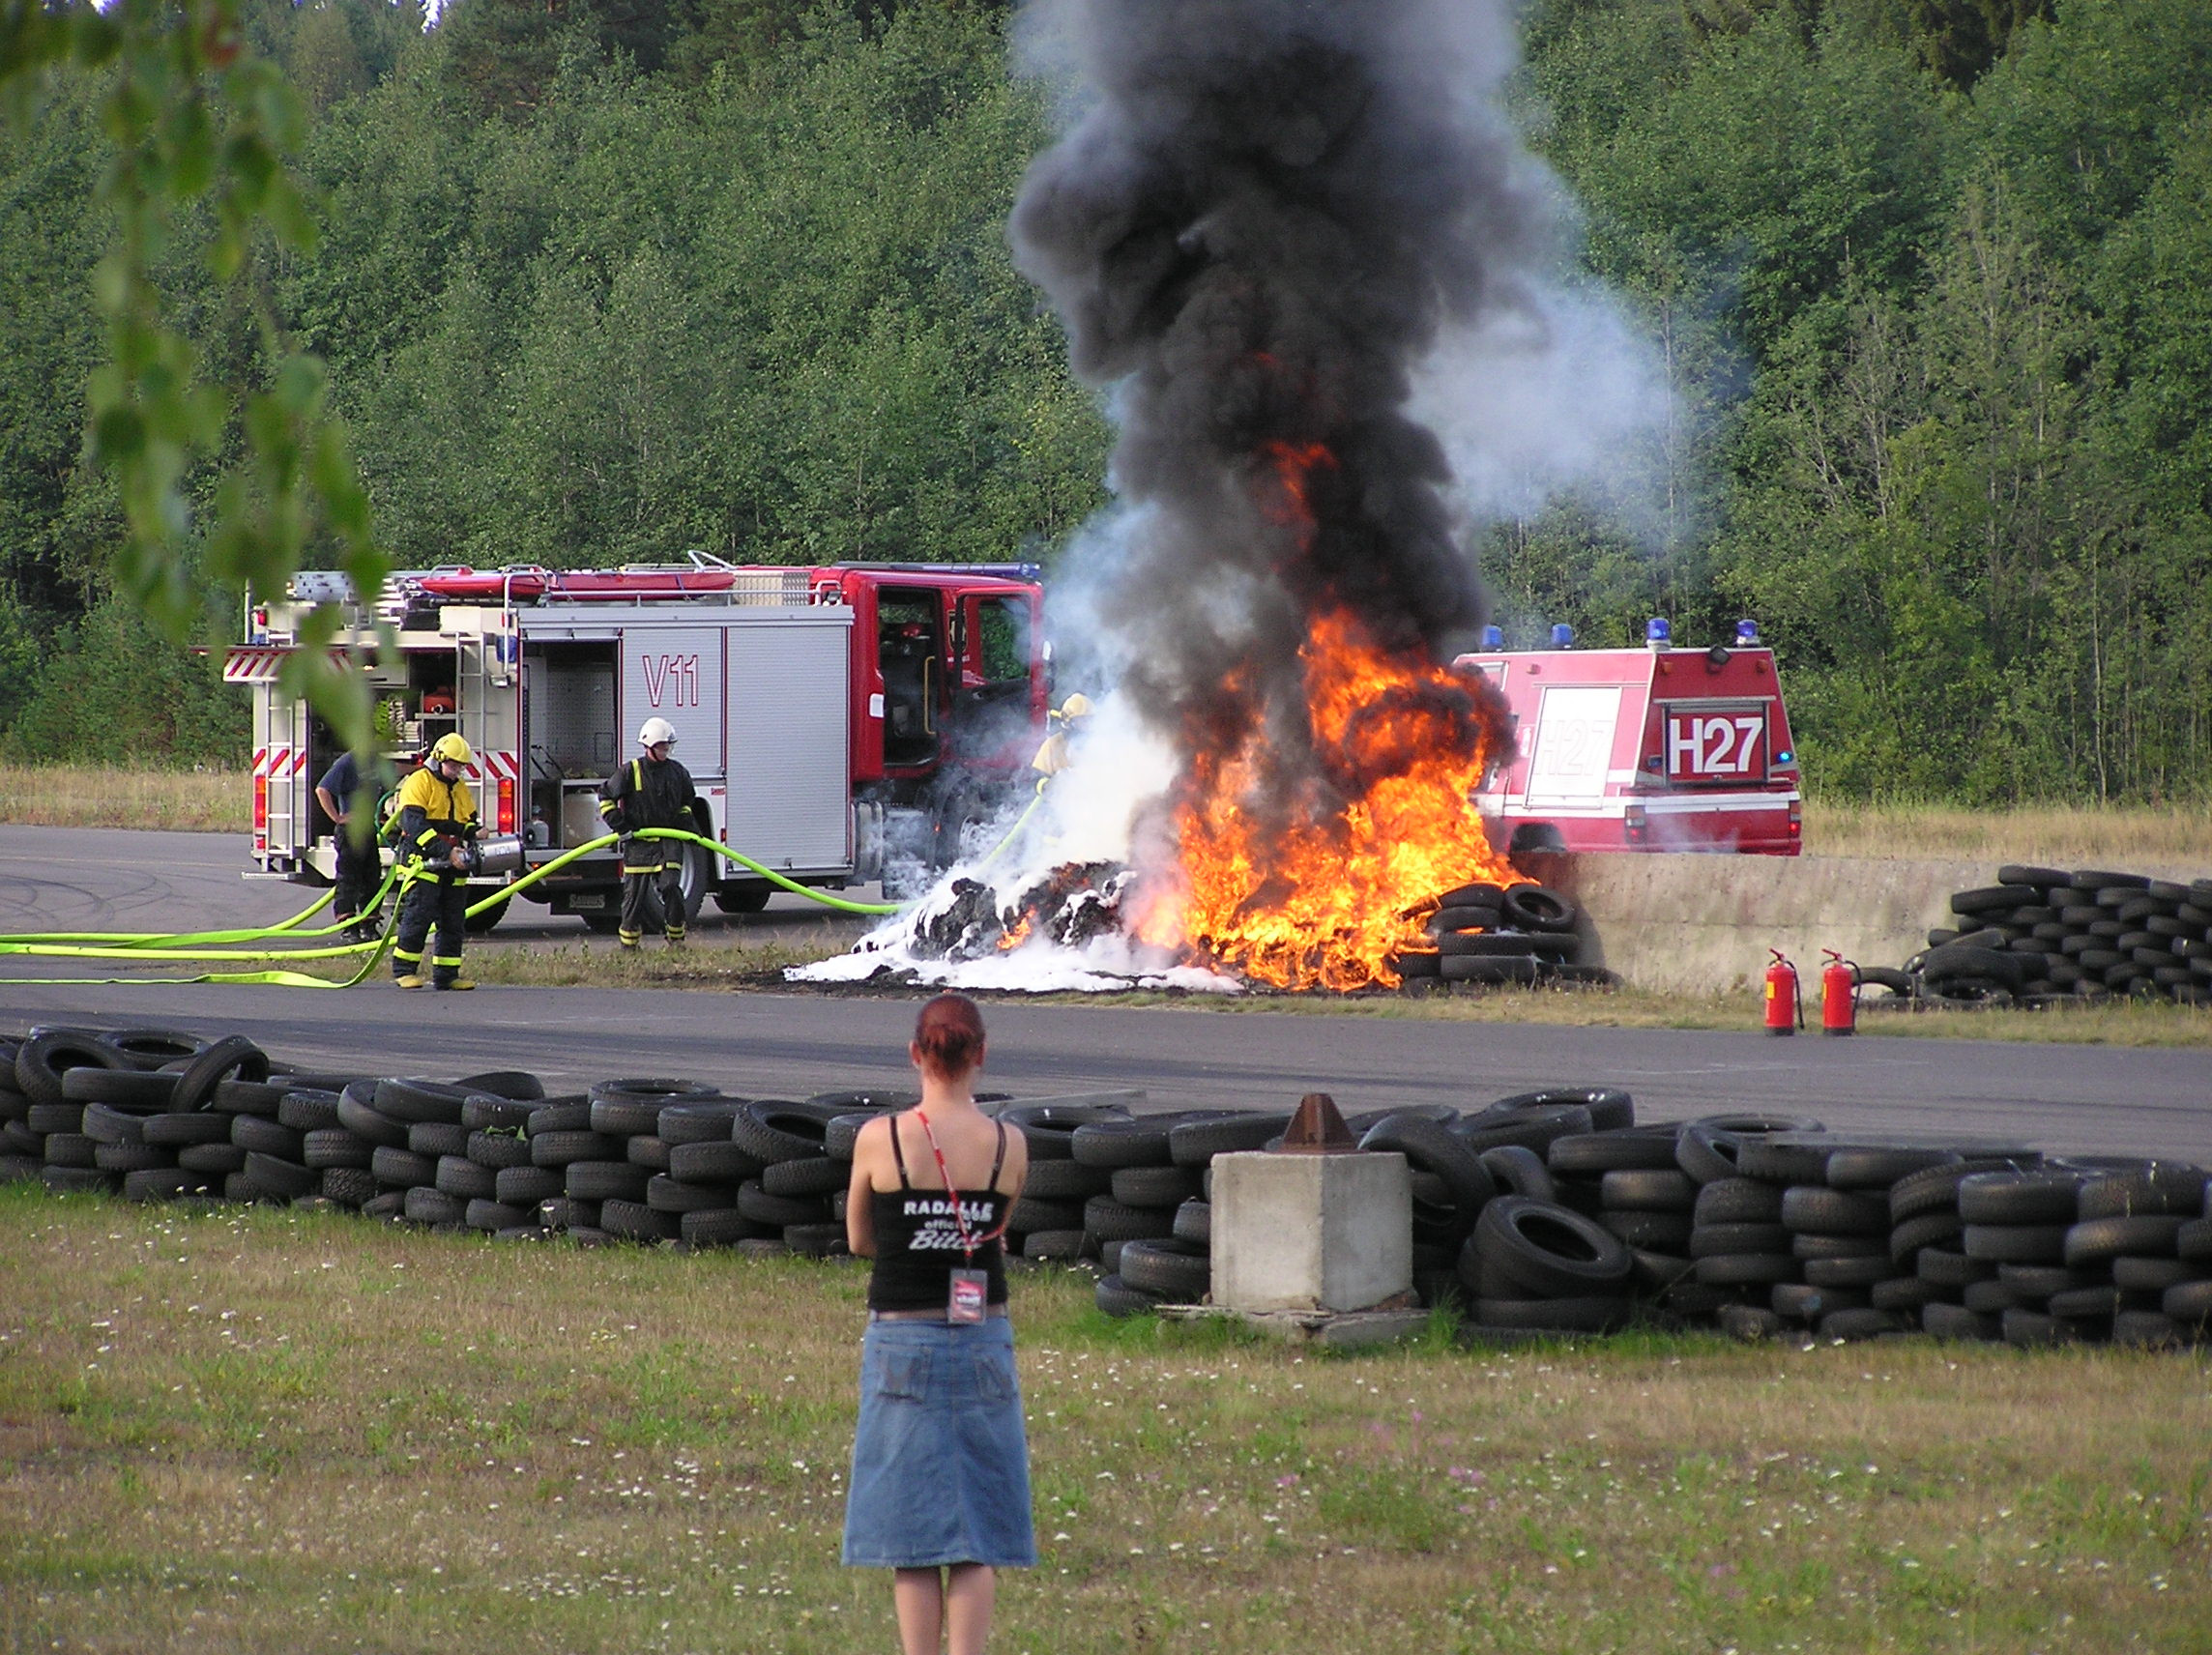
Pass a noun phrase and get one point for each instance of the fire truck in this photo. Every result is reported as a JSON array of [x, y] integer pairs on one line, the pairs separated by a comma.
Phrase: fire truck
[[1653, 749], [842, 724]]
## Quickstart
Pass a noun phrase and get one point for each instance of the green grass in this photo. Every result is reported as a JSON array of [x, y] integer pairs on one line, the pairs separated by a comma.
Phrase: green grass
[[254, 1430]]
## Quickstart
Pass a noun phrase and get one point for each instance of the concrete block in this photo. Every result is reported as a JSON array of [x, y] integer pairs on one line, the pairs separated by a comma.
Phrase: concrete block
[[1311, 1233]]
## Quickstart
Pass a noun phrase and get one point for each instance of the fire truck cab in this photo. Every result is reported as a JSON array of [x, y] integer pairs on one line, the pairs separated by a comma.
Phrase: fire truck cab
[[1653, 749], [823, 712]]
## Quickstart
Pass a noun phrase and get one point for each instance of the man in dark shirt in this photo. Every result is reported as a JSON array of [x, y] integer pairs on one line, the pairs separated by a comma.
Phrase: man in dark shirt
[[361, 867], [651, 791]]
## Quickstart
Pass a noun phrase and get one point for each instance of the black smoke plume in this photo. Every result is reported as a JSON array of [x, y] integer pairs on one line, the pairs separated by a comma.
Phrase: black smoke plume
[[1257, 227]]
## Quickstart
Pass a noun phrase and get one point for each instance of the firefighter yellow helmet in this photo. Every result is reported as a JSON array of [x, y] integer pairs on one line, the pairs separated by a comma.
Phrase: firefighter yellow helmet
[[1077, 705], [452, 747]]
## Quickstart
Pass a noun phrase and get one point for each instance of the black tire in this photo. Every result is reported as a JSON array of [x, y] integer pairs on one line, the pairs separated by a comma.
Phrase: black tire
[[1139, 1142], [2049, 1196], [1708, 1154], [1195, 1143], [1515, 969], [1176, 1270], [421, 1102], [2031, 1329], [735, 899], [131, 1157], [1875, 1169], [305, 1110], [458, 1176], [1520, 1171], [1029, 1215], [494, 1216], [1537, 908], [2082, 1304], [665, 1193], [1534, 1127], [1903, 1293], [1948, 1267], [402, 1169], [560, 1115], [2160, 1188], [2014, 1243], [1432, 1148], [1054, 1246], [722, 1226], [1958, 1324], [435, 1138], [267, 1136], [1666, 1189], [816, 1175], [1858, 1272], [365, 1121], [1812, 1210], [2153, 1275], [1561, 1315], [1747, 1270], [708, 1163], [605, 1180], [215, 1160], [1632, 1148], [780, 1210], [773, 1130], [103, 1123], [561, 1149], [1785, 1161], [1801, 1301], [2188, 1303], [702, 1124], [1937, 1189], [1066, 1180], [45, 1057], [280, 1179], [153, 1048], [485, 1112], [1549, 1251], [1650, 1232], [1116, 1298], [73, 1149], [527, 1186], [1994, 899], [2101, 1240], [163, 1183], [1051, 1128], [1194, 1223], [634, 1221], [1610, 1108], [501, 1149], [1149, 1186], [120, 1089], [334, 1147], [1927, 1230], [72, 1180], [1108, 1220], [1739, 1200], [2147, 1330], [232, 1059], [177, 1131], [1718, 1240], [2194, 1239], [1446, 921], [348, 1186]]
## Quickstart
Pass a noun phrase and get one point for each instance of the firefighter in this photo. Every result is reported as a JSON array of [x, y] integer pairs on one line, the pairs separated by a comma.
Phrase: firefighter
[[1052, 758], [436, 826], [653, 791], [342, 793]]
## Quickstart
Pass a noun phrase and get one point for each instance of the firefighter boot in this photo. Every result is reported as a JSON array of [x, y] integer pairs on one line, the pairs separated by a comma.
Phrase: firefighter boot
[[407, 970], [675, 934], [629, 939], [446, 973]]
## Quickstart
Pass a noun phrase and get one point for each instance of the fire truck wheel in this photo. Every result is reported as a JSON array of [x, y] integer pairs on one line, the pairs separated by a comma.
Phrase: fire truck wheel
[[742, 898], [480, 923]]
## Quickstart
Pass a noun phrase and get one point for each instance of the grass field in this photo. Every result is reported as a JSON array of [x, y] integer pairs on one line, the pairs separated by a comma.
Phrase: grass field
[[85, 795], [259, 1431]]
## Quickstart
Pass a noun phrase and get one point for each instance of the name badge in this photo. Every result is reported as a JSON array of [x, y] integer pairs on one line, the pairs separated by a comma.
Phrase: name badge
[[971, 1289]]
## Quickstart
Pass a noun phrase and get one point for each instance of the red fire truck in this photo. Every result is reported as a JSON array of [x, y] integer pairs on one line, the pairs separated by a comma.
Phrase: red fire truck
[[842, 724], [1653, 749]]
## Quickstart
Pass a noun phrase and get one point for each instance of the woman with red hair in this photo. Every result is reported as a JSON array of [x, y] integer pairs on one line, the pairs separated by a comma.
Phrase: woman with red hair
[[941, 1478]]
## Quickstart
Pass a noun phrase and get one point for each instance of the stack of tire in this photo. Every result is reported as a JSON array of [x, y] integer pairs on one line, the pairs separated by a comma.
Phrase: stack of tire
[[1850, 1285], [1490, 934], [793, 1177], [2040, 933], [1152, 1225]]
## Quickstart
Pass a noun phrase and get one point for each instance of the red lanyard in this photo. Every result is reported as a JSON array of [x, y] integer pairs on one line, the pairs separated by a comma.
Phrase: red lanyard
[[969, 1243]]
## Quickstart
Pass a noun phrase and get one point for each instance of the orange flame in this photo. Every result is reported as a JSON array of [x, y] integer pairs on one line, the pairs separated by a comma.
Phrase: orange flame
[[1016, 935], [1325, 900]]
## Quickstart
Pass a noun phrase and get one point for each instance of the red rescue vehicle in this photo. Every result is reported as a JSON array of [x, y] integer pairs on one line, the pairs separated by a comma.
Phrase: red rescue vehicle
[[1653, 749]]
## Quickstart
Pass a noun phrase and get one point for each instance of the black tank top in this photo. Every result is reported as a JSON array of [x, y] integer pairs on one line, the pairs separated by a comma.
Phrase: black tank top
[[918, 1239]]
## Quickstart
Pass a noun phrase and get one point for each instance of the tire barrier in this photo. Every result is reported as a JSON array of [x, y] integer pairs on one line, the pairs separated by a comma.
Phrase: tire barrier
[[2045, 937], [1514, 935], [1551, 1212]]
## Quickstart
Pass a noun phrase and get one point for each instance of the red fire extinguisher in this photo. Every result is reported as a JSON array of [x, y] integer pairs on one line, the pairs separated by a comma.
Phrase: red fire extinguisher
[[1785, 1006], [1838, 995]]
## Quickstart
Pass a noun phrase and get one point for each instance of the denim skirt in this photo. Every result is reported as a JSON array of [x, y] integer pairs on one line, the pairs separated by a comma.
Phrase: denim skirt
[[940, 1469]]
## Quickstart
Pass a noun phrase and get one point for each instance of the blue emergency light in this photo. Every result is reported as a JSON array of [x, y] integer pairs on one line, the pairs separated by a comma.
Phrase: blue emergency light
[[1658, 630], [1746, 634], [1562, 635], [1494, 637]]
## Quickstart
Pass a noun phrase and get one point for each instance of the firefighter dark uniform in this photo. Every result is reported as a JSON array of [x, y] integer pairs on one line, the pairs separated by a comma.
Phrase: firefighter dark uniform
[[359, 868], [435, 817], [649, 793]]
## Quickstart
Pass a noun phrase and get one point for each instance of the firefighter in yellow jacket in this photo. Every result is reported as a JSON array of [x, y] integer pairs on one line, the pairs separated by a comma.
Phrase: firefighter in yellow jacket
[[435, 828]]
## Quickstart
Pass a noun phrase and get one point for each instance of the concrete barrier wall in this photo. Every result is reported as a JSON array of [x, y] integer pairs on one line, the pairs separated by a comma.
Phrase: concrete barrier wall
[[1703, 923]]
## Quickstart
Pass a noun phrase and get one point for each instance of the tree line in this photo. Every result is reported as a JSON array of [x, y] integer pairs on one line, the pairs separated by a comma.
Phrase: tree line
[[606, 280]]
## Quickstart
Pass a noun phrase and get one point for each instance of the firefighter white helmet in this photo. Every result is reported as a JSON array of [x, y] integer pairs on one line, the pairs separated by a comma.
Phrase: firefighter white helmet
[[657, 732]]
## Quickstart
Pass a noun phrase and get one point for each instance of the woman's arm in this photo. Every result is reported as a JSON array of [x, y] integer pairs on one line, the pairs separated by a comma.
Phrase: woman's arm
[[869, 1149]]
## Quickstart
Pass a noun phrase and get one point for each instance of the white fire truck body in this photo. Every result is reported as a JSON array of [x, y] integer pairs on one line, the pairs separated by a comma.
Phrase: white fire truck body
[[1653, 749], [773, 693]]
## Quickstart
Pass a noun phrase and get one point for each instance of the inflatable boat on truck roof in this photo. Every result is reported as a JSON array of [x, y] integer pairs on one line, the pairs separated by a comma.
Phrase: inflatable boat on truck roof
[[826, 712], [1653, 749]]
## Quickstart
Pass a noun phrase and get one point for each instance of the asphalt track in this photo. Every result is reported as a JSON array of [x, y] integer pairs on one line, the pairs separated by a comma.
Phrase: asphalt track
[[2080, 1099]]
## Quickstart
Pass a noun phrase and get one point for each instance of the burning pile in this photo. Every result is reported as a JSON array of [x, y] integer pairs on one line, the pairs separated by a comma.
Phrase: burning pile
[[1270, 214]]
